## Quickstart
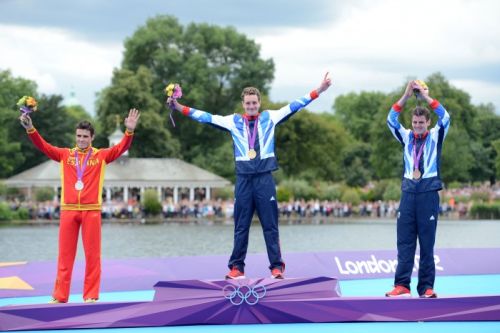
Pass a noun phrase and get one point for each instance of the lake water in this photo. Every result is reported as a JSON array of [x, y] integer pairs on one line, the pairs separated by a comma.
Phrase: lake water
[[128, 240]]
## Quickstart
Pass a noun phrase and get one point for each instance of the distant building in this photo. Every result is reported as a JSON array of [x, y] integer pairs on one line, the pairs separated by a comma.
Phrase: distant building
[[127, 178]]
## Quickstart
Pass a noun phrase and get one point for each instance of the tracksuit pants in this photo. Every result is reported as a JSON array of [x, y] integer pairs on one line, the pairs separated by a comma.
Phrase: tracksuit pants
[[70, 223], [417, 219], [256, 192]]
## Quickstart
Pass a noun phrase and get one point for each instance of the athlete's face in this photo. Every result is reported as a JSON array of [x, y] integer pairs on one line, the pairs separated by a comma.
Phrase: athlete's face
[[420, 124], [251, 104], [83, 138]]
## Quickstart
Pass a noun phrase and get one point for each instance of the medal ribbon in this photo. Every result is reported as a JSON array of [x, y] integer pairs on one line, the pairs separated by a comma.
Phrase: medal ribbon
[[251, 138], [416, 157], [81, 170]]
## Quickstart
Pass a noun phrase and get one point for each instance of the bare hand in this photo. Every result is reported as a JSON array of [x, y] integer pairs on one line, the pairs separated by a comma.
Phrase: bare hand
[[132, 119], [423, 90], [172, 103], [325, 84], [409, 90], [26, 121]]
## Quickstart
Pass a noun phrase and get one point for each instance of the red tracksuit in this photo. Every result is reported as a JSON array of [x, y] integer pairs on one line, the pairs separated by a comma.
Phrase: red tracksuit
[[80, 208]]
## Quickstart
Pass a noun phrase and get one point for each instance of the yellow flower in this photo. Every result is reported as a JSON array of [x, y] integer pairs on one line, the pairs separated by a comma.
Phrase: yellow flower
[[169, 90], [422, 84], [31, 102]]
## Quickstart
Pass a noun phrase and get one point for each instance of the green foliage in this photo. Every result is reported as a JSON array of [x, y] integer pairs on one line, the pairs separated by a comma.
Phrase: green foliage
[[284, 194], [496, 146], [16, 151], [44, 194], [356, 164], [377, 191], [357, 112], [351, 195], [220, 160], [21, 214], [129, 90], [313, 143], [212, 64], [299, 188], [152, 205], [392, 192], [485, 211], [3, 189], [328, 191], [454, 185], [5, 212], [480, 196]]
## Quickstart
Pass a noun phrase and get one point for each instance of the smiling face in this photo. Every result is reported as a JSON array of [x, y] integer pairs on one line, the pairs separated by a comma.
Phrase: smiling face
[[250, 100], [83, 138], [420, 124], [251, 105]]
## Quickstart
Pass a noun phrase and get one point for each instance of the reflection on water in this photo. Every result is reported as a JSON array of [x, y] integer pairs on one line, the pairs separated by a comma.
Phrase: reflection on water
[[125, 240]]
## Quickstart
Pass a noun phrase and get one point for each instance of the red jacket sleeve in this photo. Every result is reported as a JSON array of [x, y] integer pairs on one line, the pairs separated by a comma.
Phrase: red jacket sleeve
[[116, 151], [52, 152]]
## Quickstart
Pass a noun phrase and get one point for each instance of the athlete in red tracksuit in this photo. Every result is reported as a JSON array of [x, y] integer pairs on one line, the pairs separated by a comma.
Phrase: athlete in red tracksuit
[[82, 176]]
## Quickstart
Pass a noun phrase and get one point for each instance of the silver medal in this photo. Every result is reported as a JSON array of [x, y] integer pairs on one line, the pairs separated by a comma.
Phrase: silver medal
[[79, 185]]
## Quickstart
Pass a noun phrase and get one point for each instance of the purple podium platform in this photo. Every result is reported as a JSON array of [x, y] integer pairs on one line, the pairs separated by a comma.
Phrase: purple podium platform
[[247, 301]]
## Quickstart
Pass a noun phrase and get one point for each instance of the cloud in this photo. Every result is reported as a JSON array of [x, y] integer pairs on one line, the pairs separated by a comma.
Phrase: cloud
[[56, 58], [376, 45], [367, 45]]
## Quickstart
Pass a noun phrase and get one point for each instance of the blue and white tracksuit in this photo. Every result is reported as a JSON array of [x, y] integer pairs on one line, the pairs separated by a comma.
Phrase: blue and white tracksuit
[[255, 189], [419, 206]]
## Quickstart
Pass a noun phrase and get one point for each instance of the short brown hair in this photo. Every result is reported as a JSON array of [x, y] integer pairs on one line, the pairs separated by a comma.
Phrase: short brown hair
[[422, 111], [250, 91], [86, 125]]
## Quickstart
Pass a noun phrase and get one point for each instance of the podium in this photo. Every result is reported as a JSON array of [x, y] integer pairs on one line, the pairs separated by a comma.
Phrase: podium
[[247, 301]]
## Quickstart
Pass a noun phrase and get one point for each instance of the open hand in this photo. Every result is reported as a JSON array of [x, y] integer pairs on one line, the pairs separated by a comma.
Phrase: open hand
[[132, 119]]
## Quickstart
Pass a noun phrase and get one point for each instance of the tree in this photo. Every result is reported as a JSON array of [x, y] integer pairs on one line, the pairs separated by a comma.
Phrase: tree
[[11, 89], [357, 112], [487, 124], [211, 63], [356, 164], [311, 144], [128, 90], [53, 122]]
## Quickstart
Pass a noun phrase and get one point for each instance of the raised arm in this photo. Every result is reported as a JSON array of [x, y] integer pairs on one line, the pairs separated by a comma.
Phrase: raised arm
[[439, 110], [399, 132], [116, 151], [221, 122], [285, 112], [52, 152]]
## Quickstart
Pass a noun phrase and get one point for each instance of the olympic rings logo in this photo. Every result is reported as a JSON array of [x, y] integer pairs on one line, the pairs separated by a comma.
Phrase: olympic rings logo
[[243, 293]]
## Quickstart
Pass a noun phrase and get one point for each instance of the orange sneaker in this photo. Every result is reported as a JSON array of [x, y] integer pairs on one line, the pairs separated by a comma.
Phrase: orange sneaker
[[429, 293], [277, 273], [398, 291], [235, 274]]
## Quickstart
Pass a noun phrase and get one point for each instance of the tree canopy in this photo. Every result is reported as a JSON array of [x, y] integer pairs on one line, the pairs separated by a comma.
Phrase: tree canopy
[[352, 144]]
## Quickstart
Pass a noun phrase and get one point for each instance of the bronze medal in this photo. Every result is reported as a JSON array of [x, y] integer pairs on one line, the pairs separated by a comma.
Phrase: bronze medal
[[252, 154], [417, 174]]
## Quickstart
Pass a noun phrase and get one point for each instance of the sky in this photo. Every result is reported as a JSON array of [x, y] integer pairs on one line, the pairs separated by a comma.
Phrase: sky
[[374, 45]]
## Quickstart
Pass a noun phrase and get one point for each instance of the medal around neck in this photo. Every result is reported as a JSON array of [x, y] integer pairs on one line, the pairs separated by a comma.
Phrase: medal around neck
[[252, 154], [417, 174], [79, 185], [81, 169]]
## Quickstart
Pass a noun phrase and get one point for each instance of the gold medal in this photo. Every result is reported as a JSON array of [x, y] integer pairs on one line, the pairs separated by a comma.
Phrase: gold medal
[[252, 154], [417, 174]]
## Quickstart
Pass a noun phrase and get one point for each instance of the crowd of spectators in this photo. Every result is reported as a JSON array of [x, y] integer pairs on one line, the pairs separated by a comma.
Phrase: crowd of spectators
[[454, 204]]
